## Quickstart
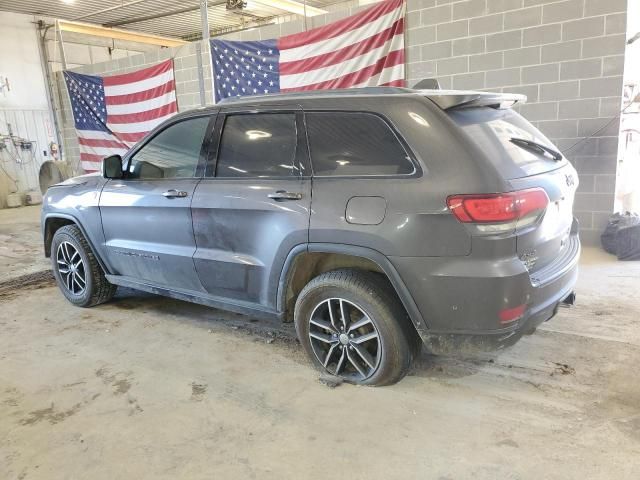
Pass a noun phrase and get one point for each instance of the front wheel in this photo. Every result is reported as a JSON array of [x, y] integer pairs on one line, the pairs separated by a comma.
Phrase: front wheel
[[77, 271], [353, 326]]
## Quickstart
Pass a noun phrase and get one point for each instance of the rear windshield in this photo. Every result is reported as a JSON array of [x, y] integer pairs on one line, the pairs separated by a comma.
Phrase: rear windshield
[[493, 130]]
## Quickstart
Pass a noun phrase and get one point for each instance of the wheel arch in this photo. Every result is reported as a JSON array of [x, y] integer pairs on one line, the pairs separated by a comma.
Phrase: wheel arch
[[306, 261], [55, 221]]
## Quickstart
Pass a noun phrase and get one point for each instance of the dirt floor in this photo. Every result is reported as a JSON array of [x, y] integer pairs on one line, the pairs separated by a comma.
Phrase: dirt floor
[[146, 387]]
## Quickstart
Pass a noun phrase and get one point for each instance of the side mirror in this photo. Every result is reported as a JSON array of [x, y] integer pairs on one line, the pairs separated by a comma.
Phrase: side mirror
[[112, 167]]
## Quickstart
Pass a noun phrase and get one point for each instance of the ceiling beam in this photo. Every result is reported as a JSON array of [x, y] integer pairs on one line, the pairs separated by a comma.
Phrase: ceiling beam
[[109, 9], [293, 7], [164, 14], [116, 33]]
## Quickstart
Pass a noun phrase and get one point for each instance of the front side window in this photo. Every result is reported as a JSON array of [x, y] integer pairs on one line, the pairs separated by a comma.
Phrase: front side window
[[258, 145], [172, 153], [353, 144]]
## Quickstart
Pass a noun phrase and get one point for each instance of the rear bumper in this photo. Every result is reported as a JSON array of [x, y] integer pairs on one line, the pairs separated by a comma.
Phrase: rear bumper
[[460, 299], [442, 343]]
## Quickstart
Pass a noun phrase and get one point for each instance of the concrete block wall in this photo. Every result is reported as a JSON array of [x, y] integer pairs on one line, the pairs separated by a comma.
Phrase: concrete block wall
[[186, 75], [567, 56]]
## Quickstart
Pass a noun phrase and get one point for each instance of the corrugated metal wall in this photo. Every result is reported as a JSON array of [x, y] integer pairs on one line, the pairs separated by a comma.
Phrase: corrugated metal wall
[[20, 167]]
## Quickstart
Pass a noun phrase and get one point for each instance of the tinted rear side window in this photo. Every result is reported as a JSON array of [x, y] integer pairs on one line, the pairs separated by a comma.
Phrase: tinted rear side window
[[492, 130], [258, 145], [354, 144]]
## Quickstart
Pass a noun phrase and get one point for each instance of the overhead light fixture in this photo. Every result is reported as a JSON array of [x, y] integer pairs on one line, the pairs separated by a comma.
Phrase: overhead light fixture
[[289, 6], [256, 134]]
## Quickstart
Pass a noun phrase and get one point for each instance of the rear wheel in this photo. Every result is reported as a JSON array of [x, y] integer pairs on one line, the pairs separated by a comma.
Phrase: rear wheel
[[77, 271], [352, 326]]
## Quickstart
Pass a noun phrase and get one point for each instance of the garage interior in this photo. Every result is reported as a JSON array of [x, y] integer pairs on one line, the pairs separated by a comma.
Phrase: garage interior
[[150, 387]]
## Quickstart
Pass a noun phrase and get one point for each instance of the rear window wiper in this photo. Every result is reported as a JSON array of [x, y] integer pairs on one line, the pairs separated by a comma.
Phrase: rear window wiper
[[537, 148]]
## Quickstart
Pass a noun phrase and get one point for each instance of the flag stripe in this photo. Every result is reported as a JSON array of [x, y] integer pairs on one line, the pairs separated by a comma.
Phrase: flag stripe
[[342, 69], [94, 135], [337, 28], [346, 81], [390, 74], [331, 44], [139, 75], [101, 143], [91, 166], [90, 157], [127, 99], [346, 53], [144, 105], [100, 152], [140, 86], [138, 127], [144, 116], [394, 83], [131, 137]]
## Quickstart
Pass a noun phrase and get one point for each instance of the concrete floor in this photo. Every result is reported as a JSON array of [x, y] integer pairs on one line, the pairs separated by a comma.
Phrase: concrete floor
[[20, 242], [146, 387]]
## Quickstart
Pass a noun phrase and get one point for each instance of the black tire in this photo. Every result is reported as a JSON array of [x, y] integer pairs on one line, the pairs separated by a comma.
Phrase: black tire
[[371, 297], [96, 288]]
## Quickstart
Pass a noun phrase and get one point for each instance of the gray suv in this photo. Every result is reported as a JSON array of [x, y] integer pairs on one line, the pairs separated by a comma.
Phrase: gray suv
[[376, 219]]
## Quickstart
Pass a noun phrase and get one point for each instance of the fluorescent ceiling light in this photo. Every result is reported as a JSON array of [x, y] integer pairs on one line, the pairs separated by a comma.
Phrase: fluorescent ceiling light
[[290, 6]]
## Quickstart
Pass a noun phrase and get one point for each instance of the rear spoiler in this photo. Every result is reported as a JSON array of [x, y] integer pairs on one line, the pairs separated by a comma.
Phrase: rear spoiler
[[454, 99]]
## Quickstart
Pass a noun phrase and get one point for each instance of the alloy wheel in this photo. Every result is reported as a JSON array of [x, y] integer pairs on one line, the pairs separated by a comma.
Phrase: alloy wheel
[[71, 268], [344, 339]]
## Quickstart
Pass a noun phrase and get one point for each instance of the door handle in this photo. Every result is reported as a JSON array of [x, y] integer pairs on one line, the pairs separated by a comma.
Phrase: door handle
[[175, 194], [281, 195]]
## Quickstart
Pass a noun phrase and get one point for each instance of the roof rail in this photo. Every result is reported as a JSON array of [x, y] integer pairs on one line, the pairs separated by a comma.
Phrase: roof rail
[[318, 93], [445, 99]]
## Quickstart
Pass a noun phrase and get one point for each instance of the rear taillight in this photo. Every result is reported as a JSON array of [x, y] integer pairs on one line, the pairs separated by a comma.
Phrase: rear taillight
[[499, 208], [509, 315]]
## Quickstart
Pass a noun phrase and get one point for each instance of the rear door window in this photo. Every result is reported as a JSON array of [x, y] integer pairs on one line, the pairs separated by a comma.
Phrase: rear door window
[[258, 145], [354, 144], [493, 131]]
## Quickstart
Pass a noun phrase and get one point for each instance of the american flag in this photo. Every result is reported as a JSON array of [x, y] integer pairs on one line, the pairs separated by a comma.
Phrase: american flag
[[112, 113], [366, 49]]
